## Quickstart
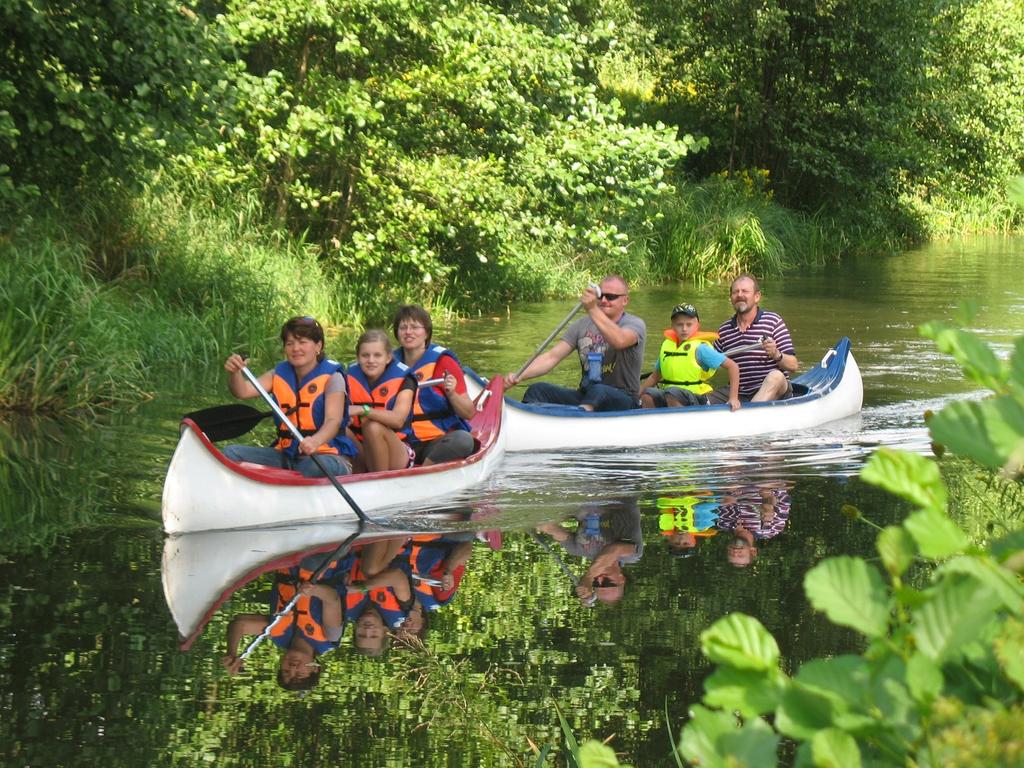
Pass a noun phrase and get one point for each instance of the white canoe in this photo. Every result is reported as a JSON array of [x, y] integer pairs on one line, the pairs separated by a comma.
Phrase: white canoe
[[205, 491], [831, 390], [201, 570]]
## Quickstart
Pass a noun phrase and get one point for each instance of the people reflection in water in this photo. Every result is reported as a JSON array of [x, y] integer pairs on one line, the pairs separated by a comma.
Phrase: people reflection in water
[[435, 564], [311, 628], [378, 595], [687, 520], [754, 514], [609, 535]]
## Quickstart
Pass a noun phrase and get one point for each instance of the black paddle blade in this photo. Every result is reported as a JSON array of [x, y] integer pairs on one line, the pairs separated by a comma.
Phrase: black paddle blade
[[223, 422]]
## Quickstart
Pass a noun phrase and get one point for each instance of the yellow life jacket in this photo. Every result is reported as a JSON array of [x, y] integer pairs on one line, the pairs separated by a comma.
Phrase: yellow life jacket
[[677, 362]]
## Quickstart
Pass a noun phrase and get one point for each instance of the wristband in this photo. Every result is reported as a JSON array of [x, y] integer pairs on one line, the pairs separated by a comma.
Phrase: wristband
[[366, 409], [779, 358]]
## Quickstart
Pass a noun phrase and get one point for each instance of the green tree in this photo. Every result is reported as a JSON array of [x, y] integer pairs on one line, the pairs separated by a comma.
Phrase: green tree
[[90, 91], [431, 146]]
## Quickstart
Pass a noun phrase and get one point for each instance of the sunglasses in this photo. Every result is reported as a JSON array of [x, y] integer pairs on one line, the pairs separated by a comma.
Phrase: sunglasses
[[613, 296], [604, 581]]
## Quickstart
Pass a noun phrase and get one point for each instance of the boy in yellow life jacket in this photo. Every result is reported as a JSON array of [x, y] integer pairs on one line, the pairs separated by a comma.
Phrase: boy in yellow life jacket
[[686, 362]]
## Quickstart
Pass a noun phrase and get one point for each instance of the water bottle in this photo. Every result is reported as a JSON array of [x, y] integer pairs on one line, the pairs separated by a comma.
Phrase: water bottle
[[594, 360]]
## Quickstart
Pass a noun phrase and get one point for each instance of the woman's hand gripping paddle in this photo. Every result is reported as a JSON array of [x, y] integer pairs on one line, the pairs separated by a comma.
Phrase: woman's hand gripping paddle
[[299, 437]]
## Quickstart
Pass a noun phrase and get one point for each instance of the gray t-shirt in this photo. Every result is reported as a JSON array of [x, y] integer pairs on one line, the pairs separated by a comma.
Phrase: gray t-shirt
[[620, 367]]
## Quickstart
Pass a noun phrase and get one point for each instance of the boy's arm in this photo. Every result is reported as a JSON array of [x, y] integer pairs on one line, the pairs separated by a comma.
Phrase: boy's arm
[[652, 380], [734, 383]]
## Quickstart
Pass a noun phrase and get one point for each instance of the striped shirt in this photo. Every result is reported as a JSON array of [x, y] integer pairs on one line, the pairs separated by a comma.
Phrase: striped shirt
[[754, 365], [764, 514]]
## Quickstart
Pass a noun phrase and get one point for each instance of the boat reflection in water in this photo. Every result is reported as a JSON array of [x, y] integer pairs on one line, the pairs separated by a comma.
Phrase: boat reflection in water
[[607, 535], [750, 514], [386, 584]]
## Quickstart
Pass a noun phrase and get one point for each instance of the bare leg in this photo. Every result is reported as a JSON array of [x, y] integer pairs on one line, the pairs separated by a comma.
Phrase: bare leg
[[376, 556], [772, 388], [383, 448]]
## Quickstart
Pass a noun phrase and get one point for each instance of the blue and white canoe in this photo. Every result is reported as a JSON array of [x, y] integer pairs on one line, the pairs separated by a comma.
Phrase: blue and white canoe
[[829, 391]]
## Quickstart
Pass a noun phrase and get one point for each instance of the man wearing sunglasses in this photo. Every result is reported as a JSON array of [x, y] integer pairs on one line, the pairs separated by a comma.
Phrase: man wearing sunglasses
[[610, 345]]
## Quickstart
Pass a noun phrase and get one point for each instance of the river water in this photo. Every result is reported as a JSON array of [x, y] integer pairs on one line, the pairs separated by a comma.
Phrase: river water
[[90, 656]]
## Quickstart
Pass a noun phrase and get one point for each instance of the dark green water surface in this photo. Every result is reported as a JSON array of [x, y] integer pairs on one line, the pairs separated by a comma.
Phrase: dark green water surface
[[91, 672]]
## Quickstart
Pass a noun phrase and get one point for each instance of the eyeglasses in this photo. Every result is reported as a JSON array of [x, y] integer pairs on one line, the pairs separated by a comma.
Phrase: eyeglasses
[[684, 309], [613, 296], [604, 581], [410, 327]]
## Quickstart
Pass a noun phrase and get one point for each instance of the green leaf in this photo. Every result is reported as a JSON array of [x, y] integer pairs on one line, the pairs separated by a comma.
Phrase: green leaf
[[701, 736], [1009, 649], [1002, 582], [740, 641], [1008, 546], [594, 754], [832, 748], [936, 535], [896, 547], [839, 679], [907, 475], [750, 692], [959, 612], [1016, 378], [977, 359], [924, 678], [753, 746], [802, 713], [961, 427], [850, 593], [990, 432]]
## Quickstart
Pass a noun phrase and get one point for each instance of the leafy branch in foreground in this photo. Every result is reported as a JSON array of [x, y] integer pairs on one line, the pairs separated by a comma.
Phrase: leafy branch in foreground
[[942, 678]]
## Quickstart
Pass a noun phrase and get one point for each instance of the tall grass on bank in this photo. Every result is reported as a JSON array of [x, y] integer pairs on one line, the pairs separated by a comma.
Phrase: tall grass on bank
[[66, 343], [95, 298], [717, 229], [991, 213]]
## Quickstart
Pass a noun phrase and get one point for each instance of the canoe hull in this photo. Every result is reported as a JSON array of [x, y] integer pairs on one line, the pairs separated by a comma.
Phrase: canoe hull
[[205, 491], [834, 391]]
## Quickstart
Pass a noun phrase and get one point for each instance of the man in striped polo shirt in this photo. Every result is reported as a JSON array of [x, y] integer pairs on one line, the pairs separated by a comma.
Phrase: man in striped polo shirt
[[764, 370]]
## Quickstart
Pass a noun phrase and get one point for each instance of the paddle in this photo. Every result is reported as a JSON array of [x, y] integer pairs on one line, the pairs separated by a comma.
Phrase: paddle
[[590, 601], [339, 552], [561, 325], [744, 348], [225, 422], [299, 437]]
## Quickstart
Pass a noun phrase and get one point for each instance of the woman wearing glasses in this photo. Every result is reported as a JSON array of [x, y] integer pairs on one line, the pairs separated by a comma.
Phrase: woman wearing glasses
[[310, 389], [610, 343], [437, 428]]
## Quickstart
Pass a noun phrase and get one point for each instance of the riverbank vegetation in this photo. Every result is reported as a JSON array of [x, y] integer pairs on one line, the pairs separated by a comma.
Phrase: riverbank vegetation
[[179, 165]]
